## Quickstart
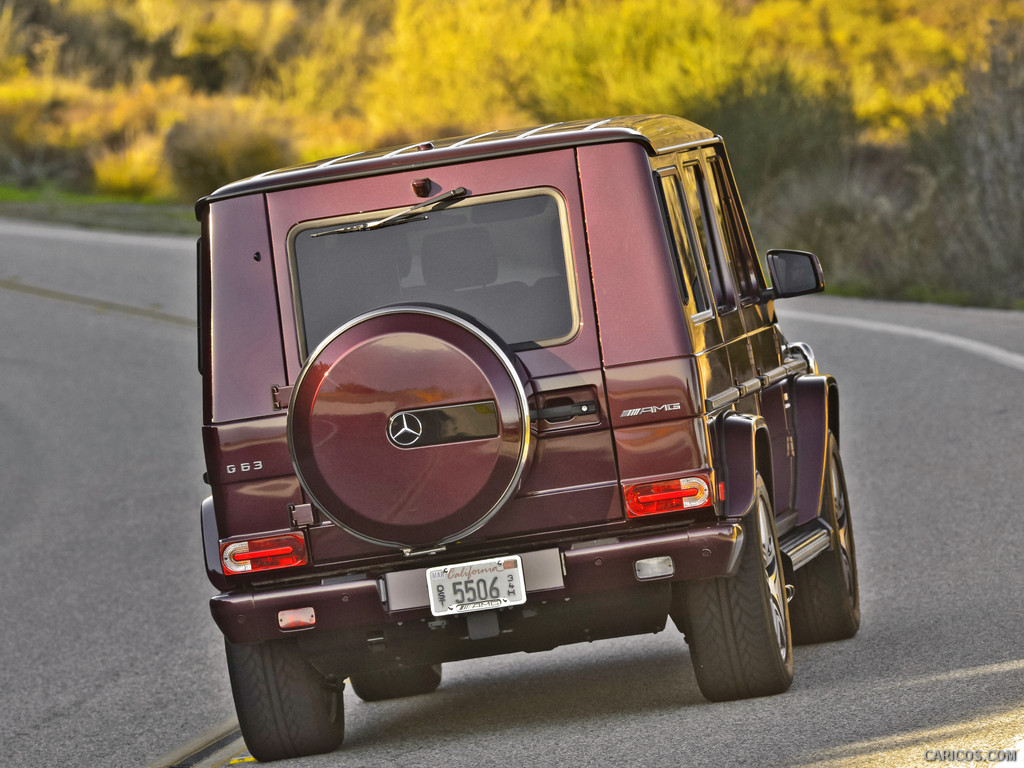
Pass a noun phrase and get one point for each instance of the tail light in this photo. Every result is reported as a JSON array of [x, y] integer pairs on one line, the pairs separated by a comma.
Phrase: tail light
[[264, 554], [674, 495]]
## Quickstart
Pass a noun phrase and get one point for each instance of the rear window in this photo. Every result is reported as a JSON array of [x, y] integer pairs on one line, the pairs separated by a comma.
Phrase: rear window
[[502, 259]]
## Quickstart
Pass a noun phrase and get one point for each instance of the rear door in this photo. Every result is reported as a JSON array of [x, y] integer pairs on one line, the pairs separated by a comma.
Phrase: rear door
[[509, 253]]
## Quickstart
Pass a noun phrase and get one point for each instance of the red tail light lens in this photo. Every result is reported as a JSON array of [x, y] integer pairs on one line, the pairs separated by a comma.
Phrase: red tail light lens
[[264, 554], [668, 496]]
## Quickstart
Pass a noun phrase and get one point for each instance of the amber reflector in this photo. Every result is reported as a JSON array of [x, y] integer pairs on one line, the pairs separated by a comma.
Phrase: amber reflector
[[296, 618]]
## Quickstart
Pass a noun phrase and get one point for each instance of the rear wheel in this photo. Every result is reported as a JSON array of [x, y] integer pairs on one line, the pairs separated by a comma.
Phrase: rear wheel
[[285, 707], [826, 602], [382, 684], [738, 627]]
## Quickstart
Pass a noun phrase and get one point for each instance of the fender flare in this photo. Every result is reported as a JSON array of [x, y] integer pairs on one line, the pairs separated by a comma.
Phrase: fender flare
[[816, 413], [746, 450]]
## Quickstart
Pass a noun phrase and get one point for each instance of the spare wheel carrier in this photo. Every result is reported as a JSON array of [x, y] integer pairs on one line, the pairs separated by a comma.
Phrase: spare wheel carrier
[[409, 427]]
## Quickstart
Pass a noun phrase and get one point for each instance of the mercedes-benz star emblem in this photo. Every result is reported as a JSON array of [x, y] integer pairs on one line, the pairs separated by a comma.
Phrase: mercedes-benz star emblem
[[404, 429]]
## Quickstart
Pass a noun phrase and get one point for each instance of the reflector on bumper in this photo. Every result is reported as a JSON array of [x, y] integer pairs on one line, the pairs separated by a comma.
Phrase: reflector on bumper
[[654, 568], [296, 618]]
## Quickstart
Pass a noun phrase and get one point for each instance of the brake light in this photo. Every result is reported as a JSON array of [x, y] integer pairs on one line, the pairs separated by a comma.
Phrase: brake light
[[264, 554], [667, 496]]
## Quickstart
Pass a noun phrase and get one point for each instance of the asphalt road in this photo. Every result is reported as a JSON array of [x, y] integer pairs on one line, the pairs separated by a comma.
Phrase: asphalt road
[[109, 657]]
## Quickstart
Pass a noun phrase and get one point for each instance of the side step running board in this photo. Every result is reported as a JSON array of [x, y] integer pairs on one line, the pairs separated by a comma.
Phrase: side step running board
[[806, 543]]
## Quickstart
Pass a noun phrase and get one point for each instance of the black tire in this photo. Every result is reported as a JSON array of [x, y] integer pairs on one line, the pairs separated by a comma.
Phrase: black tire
[[826, 598], [285, 707], [381, 684], [738, 628]]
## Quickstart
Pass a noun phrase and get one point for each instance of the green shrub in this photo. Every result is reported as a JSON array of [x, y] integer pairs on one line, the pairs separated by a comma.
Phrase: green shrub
[[937, 219], [601, 57], [221, 145], [34, 149], [977, 155], [134, 171], [775, 127]]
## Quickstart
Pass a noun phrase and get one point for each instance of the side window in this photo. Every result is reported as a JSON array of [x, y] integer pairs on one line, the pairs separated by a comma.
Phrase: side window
[[695, 194], [694, 279], [740, 251]]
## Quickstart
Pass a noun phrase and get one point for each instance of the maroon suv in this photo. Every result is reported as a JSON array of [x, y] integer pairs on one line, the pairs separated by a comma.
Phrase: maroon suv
[[502, 393]]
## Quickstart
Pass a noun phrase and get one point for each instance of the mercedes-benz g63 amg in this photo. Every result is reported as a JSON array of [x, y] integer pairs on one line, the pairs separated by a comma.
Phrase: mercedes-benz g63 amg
[[502, 393]]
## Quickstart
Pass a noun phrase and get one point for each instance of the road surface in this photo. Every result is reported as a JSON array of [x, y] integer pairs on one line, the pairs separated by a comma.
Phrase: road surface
[[110, 657]]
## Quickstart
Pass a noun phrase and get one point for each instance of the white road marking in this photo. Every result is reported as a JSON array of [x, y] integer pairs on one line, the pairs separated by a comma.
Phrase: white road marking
[[979, 348]]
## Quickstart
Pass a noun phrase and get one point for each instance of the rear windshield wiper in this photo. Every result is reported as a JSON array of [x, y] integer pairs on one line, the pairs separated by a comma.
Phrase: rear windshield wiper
[[399, 217]]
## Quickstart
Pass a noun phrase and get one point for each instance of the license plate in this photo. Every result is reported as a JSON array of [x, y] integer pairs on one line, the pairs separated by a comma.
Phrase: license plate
[[478, 586]]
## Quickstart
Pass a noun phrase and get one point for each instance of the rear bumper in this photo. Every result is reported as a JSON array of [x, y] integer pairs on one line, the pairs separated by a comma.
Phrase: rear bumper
[[584, 569]]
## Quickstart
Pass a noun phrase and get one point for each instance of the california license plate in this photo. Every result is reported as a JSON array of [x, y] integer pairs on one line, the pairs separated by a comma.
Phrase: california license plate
[[477, 586]]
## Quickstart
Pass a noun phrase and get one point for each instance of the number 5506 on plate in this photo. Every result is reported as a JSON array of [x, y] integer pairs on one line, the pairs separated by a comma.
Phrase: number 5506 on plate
[[477, 586]]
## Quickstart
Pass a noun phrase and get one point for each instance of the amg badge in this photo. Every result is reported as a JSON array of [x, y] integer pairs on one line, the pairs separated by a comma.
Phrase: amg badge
[[650, 409]]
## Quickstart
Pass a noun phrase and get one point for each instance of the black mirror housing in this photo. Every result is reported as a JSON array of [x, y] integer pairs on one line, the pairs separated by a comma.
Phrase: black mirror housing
[[794, 273]]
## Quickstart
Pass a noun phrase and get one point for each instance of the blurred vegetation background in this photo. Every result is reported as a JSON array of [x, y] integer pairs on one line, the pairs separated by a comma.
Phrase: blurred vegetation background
[[885, 135]]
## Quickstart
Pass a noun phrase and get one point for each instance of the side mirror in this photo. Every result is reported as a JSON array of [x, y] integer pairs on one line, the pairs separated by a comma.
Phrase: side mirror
[[794, 273]]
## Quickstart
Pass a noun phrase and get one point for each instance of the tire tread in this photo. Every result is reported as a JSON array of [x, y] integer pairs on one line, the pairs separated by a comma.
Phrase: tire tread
[[281, 706], [822, 610], [731, 645], [383, 684]]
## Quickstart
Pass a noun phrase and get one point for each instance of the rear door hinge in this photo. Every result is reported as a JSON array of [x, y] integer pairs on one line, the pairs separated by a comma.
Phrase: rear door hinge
[[301, 515], [281, 396]]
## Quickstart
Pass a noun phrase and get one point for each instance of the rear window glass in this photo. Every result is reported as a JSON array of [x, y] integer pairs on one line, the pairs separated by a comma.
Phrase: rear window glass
[[502, 259]]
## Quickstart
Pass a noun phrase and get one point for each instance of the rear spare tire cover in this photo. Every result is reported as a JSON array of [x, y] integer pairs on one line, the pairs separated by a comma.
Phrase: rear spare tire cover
[[409, 427]]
